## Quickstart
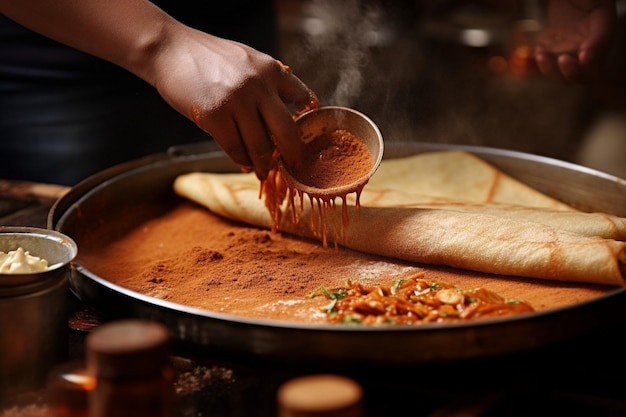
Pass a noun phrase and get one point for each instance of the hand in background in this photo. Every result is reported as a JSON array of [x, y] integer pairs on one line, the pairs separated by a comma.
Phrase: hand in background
[[576, 39]]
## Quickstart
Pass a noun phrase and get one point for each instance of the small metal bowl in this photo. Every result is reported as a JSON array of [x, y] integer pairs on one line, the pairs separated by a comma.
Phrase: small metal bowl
[[316, 122], [33, 309], [56, 248]]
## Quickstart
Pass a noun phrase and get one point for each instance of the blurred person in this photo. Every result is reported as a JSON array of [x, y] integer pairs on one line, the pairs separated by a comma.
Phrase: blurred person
[[85, 85]]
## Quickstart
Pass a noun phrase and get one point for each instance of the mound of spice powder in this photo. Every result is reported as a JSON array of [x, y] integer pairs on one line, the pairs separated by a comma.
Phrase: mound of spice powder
[[337, 158]]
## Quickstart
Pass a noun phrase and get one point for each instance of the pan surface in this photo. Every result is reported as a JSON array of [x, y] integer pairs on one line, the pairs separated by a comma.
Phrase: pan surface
[[118, 199]]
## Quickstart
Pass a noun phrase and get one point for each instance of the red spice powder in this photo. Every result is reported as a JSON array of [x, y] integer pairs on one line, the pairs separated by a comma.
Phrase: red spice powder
[[195, 258], [337, 158]]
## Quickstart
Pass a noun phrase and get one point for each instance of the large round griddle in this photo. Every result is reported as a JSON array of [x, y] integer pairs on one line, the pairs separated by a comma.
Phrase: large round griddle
[[112, 201]]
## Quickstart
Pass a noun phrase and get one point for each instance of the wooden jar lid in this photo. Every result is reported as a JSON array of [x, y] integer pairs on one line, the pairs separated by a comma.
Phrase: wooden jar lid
[[326, 395], [128, 348]]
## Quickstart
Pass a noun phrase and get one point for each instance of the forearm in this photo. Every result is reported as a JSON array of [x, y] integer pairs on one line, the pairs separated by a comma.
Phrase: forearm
[[242, 97], [125, 32]]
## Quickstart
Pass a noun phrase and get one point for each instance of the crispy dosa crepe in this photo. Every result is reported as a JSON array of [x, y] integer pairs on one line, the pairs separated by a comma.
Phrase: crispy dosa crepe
[[587, 224], [469, 240], [442, 208]]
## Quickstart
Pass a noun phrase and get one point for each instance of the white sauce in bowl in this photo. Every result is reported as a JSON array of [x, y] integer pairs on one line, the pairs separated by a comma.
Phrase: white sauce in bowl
[[20, 261]]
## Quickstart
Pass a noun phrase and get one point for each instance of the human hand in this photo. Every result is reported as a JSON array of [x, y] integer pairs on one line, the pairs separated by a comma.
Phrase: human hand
[[243, 98], [576, 39]]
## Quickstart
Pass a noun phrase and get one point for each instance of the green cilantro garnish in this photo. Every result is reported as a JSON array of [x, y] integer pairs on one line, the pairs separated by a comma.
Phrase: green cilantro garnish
[[334, 295], [331, 295], [351, 319], [396, 284]]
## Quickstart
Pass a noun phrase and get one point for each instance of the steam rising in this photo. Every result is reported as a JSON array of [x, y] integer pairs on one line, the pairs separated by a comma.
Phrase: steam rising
[[376, 56], [337, 48]]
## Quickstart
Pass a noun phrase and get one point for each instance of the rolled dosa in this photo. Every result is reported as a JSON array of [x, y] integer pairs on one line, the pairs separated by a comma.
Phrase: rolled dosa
[[470, 240], [582, 223]]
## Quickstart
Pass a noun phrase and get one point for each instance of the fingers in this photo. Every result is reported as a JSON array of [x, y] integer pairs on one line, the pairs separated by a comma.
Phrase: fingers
[[257, 142], [298, 98], [294, 93], [546, 65], [273, 126], [258, 119], [284, 131], [228, 137], [571, 69], [562, 67], [246, 140]]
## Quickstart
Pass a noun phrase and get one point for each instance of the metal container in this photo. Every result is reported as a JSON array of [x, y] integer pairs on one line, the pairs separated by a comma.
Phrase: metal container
[[321, 120], [33, 310]]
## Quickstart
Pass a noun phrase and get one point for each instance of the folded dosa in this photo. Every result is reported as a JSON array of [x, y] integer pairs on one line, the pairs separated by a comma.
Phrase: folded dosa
[[457, 175], [464, 239]]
